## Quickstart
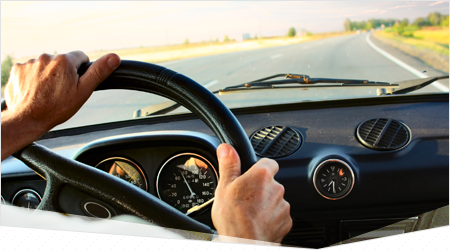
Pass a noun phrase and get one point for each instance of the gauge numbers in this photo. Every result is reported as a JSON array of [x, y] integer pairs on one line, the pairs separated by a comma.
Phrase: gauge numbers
[[186, 180], [333, 179], [124, 169]]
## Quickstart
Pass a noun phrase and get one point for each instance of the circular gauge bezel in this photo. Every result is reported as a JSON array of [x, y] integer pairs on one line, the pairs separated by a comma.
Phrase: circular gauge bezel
[[98, 204], [132, 163], [176, 156], [2, 201], [23, 191], [316, 171]]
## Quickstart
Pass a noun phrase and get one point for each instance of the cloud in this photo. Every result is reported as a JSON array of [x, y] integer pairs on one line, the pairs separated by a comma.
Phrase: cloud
[[436, 3], [382, 11], [403, 6], [367, 11]]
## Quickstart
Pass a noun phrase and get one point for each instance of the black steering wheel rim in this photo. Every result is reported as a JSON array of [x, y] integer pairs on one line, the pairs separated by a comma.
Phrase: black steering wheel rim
[[59, 171]]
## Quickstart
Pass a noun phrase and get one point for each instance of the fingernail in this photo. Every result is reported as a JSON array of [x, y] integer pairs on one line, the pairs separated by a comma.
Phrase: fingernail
[[113, 62], [222, 152]]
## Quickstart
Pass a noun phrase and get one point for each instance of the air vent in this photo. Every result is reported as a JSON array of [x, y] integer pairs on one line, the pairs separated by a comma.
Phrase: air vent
[[383, 134], [275, 141]]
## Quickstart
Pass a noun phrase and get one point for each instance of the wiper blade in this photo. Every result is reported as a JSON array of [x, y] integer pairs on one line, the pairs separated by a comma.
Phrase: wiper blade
[[413, 85], [264, 83], [303, 81]]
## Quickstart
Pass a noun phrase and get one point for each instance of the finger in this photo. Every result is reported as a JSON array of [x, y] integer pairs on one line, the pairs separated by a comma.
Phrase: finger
[[77, 58], [269, 164], [98, 72], [229, 163]]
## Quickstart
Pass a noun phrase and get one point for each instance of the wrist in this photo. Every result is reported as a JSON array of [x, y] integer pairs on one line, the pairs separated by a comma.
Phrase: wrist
[[18, 131]]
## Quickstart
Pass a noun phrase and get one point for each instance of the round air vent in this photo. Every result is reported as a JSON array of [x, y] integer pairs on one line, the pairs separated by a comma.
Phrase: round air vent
[[276, 141], [383, 134]]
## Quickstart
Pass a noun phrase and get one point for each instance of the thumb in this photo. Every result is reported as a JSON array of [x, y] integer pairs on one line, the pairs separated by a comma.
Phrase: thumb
[[99, 71], [229, 163]]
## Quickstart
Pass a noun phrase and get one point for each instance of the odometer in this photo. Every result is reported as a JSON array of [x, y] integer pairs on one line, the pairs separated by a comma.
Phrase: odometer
[[186, 180]]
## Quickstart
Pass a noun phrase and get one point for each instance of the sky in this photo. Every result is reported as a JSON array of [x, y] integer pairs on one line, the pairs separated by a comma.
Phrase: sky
[[31, 28]]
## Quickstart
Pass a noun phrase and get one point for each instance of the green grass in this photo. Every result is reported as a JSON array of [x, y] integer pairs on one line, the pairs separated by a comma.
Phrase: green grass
[[435, 40]]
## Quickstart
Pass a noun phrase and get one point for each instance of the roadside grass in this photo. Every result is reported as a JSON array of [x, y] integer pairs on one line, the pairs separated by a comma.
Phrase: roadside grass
[[161, 54], [430, 46], [432, 39], [177, 52], [439, 36]]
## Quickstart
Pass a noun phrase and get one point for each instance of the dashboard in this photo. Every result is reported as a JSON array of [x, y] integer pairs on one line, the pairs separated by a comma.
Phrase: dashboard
[[336, 179]]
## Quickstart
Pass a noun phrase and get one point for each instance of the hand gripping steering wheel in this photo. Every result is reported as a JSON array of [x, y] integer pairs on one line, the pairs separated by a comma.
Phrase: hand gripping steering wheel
[[132, 75]]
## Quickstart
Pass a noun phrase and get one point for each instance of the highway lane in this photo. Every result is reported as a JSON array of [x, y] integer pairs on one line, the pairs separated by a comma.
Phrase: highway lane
[[349, 57]]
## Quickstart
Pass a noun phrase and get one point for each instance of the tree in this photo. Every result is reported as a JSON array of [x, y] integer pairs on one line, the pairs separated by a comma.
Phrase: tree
[[444, 21], [348, 25], [420, 21], [434, 18], [404, 23], [226, 39], [186, 41], [291, 32], [6, 69]]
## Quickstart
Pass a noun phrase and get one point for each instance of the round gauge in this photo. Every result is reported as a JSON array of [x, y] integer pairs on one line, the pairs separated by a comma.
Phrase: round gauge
[[125, 169], [2, 200], [333, 179], [186, 180], [26, 198]]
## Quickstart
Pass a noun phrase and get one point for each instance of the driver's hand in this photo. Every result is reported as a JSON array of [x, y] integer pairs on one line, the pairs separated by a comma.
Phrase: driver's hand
[[47, 91], [250, 205]]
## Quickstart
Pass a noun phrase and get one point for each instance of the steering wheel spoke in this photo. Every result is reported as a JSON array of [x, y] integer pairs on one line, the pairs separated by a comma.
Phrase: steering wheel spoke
[[151, 78]]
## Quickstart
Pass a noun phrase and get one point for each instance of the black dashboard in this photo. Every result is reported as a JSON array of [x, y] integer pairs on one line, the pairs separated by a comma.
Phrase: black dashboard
[[386, 185]]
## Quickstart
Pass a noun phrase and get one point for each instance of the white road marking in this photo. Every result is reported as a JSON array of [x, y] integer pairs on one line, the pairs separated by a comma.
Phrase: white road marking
[[275, 56], [414, 71], [211, 83]]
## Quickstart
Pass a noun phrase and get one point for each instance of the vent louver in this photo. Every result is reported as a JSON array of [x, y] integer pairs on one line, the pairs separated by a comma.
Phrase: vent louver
[[275, 141], [383, 134]]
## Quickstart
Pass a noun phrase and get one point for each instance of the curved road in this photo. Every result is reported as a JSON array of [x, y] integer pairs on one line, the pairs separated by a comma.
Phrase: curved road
[[349, 57]]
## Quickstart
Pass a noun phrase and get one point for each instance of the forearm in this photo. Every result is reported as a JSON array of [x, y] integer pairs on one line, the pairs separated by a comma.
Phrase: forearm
[[17, 132]]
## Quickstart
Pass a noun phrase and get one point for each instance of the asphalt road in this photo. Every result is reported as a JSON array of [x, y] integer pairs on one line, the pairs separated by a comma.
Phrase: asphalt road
[[349, 57]]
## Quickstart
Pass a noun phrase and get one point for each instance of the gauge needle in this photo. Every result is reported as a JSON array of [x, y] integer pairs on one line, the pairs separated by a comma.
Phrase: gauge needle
[[334, 190], [198, 207], [190, 190]]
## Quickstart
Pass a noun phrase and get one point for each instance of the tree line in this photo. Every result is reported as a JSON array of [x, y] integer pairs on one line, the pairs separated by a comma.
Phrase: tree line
[[433, 19]]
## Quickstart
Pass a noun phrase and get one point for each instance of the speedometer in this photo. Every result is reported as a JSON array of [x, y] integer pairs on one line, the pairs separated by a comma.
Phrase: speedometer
[[186, 180]]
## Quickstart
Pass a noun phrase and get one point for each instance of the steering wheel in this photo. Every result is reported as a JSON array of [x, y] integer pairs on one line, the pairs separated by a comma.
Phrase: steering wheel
[[59, 171]]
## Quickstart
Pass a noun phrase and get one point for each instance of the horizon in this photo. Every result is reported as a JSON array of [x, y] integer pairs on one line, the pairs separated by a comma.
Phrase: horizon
[[32, 28]]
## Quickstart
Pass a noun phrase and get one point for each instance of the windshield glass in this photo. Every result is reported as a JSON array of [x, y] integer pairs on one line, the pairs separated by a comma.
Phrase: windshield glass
[[220, 44]]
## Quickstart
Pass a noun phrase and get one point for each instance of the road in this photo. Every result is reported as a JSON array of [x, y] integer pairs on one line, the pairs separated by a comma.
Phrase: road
[[349, 57]]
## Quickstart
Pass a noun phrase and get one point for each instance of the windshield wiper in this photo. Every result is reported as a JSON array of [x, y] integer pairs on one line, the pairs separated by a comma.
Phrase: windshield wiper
[[299, 81], [303, 80]]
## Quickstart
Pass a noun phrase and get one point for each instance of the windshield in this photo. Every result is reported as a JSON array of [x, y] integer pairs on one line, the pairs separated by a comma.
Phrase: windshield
[[220, 44]]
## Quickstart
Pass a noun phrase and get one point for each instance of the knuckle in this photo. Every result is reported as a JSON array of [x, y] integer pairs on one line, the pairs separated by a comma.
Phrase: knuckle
[[61, 58], [16, 67], [262, 173], [44, 58], [280, 189], [31, 61], [269, 163]]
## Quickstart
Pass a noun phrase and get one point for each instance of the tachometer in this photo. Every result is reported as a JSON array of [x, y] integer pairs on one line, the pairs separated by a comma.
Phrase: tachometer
[[124, 169], [186, 180]]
